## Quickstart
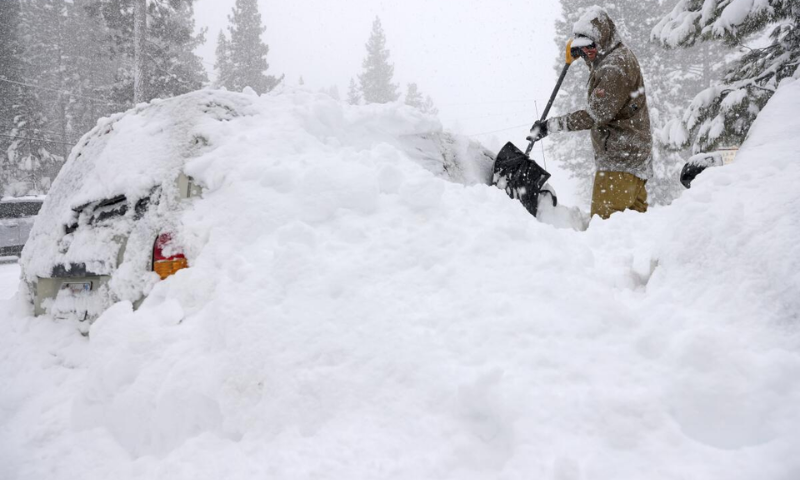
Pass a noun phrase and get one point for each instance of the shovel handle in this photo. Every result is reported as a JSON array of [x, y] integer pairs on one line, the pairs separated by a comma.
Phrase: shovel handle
[[550, 102]]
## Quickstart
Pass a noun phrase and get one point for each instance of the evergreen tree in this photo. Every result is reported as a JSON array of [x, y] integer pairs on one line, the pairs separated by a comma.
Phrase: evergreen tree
[[71, 63], [45, 22], [89, 70], [11, 69], [376, 80], [223, 64], [172, 66], [26, 157], [353, 93], [723, 113], [428, 106], [248, 52], [140, 34], [413, 97], [334, 92]]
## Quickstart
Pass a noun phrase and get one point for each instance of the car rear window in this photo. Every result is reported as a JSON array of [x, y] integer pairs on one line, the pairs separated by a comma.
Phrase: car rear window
[[110, 208], [100, 211], [20, 209]]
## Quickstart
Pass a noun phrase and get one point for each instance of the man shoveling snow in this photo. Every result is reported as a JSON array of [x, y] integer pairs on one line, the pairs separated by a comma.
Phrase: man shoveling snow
[[617, 116]]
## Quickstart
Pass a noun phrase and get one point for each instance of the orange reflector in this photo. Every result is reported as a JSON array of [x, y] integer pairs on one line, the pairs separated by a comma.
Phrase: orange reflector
[[165, 268]]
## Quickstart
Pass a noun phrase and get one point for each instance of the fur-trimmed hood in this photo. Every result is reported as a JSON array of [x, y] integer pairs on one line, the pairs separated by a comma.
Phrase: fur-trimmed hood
[[598, 26]]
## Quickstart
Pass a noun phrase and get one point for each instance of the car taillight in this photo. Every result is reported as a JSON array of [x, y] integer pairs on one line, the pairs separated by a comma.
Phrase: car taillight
[[165, 266]]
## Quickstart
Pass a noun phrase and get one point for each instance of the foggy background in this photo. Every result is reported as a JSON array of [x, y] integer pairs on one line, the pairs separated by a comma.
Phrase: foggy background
[[483, 63], [485, 70]]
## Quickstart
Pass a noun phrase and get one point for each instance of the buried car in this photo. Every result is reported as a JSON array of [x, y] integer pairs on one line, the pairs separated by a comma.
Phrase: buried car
[[697, 163], [143, 192], [109, 228]]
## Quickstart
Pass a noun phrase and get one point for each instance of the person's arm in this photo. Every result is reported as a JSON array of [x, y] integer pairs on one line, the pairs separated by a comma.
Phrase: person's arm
[[572, 122], [605, 102]]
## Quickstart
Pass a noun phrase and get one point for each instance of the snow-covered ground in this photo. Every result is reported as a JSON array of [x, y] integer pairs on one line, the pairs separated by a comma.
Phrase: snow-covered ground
[[360, 317], [9, 277]]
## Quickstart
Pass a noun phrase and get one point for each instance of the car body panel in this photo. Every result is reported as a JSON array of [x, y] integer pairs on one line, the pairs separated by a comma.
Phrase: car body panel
[[81, 304]]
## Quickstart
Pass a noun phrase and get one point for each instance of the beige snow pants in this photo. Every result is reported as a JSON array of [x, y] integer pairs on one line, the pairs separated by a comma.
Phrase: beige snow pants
[[618, 191]]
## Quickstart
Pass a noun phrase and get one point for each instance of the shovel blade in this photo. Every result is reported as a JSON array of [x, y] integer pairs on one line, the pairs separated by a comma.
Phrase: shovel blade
[[520, 176]]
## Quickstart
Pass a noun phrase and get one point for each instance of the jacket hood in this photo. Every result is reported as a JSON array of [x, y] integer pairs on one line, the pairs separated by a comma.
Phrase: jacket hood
[[597, 25]]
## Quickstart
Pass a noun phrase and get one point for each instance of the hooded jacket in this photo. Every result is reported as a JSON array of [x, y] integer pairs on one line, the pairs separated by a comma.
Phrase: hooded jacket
[[617, 113]]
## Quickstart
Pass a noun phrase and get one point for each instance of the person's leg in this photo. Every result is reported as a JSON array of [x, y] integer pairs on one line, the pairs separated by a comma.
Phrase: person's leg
[[617, 191], [640, 203]]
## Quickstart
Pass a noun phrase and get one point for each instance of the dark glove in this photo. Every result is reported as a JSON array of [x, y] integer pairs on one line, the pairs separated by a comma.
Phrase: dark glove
[[538, 131]]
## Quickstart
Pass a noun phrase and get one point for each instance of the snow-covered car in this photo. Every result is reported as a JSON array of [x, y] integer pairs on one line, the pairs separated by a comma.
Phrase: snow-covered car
[[114, 223], [16, 220], [108, 229], [697, 163]]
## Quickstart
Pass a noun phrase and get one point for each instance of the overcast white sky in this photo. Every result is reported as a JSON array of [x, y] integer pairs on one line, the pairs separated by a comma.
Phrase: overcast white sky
[[482, 62]]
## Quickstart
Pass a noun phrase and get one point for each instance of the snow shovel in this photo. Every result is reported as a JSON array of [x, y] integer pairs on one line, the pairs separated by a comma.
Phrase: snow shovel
[[516, 172]]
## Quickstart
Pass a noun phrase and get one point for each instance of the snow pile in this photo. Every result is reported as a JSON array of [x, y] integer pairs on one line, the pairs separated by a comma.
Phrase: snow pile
[[350, 314], [135, 158]]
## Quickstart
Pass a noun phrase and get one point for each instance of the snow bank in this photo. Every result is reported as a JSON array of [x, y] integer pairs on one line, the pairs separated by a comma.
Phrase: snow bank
[[350, 314], [215, 137]]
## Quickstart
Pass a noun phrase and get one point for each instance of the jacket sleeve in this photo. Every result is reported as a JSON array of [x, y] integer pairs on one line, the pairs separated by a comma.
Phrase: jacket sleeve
[[613, 91], [580, 120]]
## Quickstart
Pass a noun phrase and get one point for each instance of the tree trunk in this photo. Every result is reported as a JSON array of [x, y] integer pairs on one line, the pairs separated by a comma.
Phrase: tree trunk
[[139, 38]]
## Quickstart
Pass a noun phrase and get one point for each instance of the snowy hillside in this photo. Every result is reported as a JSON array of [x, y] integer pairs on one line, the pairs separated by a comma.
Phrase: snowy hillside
[[353, 313]]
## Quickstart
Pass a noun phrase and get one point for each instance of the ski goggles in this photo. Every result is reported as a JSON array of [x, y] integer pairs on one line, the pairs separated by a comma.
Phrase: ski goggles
[[580, 43]]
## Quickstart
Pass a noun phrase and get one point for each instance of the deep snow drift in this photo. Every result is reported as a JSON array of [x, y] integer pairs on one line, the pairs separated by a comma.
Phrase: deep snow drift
[[351, 314]]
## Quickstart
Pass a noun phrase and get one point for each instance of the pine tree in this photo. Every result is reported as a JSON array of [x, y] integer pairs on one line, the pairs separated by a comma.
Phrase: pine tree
[[140, 34], [14, 99], [723, 113], [428, 106], [413, 97], [89, 70], [172, 66], [223, 64], [27, 159], [45, 20], [353, 93], [333, 91], [248, 52], [376, 80], [11, 69], [60, 66], [72, 57]]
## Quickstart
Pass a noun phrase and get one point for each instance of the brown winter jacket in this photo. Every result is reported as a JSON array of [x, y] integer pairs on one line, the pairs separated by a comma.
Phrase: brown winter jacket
[[617, 113]]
